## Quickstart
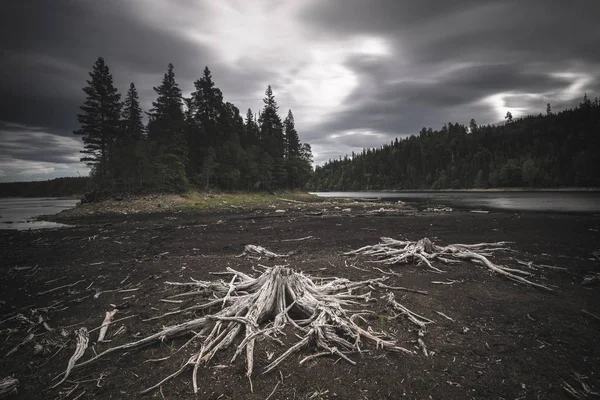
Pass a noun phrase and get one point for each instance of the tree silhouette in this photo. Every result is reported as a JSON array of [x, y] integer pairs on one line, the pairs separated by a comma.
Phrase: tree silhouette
[[99, 122]]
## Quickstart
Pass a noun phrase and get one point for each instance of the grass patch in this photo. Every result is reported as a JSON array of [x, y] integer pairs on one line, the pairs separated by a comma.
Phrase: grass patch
[[211, 201]]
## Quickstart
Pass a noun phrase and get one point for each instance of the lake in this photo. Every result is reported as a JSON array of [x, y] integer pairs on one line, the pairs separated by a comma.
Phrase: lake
[[20, 213], [540, 201]]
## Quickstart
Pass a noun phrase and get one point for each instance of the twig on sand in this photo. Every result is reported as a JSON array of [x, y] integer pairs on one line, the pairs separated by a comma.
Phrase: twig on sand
[[60, 287], [273, 391], [590, 314], [299, 239], [444, 315]]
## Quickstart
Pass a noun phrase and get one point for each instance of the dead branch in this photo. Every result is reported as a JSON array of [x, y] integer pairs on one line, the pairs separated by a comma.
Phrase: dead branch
[[299, 239], [27, 339], [111, 322], [259, 251], [384, 286], [445, 316], [60, 287], [584, 393], [109, 316], [391, 251]]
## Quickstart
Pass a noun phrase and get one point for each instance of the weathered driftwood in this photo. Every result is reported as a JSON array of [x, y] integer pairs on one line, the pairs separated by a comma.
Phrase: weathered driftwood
[[107, 319], [8, 386], [391, 251], [255, 308]]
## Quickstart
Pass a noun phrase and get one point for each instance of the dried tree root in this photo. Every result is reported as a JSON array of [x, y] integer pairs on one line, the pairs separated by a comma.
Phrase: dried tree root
[[413, 317], [82, 343], [392, 251], [8, 386], [253, 308]]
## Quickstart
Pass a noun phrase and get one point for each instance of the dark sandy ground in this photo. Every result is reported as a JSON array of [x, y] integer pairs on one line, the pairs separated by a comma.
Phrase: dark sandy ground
[[505, 341]]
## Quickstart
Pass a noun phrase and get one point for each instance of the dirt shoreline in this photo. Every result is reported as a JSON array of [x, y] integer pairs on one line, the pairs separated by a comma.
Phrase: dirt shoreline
[[520, 342]]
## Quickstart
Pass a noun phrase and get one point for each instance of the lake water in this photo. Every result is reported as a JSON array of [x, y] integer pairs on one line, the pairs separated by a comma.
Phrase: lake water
[[541, 201], [20, 213]]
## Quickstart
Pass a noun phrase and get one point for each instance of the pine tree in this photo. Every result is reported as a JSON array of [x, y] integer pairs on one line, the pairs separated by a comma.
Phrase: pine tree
[[291, 136], [508, 117], [548, 109], [166, 130], [472, 125], [100, 122], [132, 115], [207, 105], [130, 149], [252, 133], [272, 141]]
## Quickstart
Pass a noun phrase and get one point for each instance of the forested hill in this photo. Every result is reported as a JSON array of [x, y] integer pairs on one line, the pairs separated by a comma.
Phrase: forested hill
[[59, 187], [552, 150]]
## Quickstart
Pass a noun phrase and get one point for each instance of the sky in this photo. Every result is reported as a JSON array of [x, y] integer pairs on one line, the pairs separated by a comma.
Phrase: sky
[[355, 73]]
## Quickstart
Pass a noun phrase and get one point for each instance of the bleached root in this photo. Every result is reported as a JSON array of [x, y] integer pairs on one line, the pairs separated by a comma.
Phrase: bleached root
[[8, 386], [391, 251], [83, 339], [260, 308], [107, 320]]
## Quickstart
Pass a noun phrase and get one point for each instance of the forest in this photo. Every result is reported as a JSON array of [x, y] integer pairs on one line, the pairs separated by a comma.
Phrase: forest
[[552, 150], [199, 141]]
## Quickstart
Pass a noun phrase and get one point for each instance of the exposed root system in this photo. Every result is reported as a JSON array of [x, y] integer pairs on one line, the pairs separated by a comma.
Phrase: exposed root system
[[392, 251], [253, 308]]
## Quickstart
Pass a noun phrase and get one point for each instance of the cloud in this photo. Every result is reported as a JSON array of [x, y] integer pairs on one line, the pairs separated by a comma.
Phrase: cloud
[[356, 73], [29, 151]]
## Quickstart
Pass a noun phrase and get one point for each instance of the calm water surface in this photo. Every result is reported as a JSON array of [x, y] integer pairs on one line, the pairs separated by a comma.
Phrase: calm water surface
[[20, 213], [560, 201]]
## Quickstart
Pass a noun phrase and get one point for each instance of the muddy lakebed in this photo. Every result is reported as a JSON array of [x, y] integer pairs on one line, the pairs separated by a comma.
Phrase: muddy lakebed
[[495, 339]]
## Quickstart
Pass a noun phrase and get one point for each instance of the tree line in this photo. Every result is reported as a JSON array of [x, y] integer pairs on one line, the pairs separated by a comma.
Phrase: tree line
[[57, 187], [552, 150], [199, 140]]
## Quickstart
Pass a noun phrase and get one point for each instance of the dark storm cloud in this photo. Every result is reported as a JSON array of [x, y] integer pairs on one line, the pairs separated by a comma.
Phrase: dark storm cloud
[[402, 107], [48, 48], [449, 57], [27, 143]]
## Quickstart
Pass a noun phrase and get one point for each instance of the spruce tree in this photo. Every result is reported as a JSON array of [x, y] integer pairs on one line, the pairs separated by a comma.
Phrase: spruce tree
[[252, 132], [130, 147], [100, 122], [291, 136], [166, 130], [133, 126], [272, 142], [207, 104]]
